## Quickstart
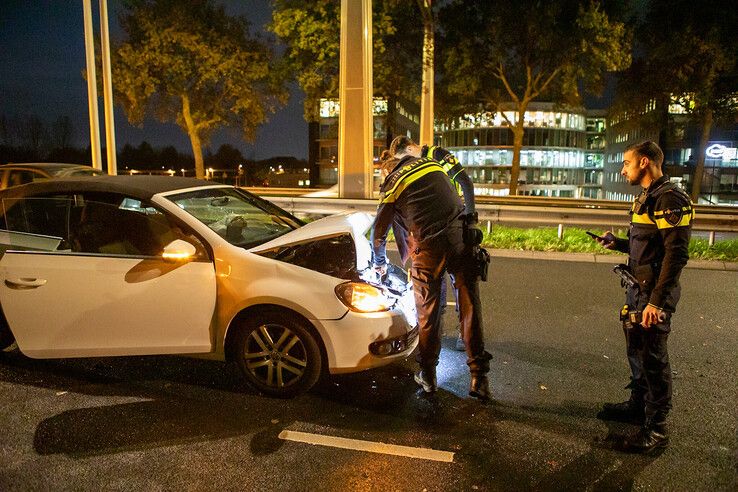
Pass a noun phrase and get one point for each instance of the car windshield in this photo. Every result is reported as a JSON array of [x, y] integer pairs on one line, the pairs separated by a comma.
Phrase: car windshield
[[239, 217]]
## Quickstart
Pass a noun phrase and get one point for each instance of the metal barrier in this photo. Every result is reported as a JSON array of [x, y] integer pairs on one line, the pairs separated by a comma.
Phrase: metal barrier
[[524, 211]]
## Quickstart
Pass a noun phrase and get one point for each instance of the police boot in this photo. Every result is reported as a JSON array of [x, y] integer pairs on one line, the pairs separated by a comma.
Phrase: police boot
[[653, 435], [630, 412], [479, 387], [426, 379]]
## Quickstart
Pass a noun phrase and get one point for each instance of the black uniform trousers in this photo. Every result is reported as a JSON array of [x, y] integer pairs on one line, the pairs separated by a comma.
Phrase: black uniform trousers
[[648, 358], [430, 259]]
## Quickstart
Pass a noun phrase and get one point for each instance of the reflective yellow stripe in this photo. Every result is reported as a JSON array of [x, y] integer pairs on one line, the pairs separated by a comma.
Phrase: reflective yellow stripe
[[686, 220], [406, 181], [641, 219], [661, 212]]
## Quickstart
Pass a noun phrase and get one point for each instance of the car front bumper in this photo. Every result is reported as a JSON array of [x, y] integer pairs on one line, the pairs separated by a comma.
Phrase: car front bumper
[[352, 342]]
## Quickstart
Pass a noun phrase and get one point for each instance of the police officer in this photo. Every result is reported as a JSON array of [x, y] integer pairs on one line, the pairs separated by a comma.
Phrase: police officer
[[660, 226], [418, 197], [464, 186]]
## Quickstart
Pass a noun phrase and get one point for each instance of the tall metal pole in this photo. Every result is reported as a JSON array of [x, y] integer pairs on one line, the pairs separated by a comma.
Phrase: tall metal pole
[[107, 90], [426, 95], [92, 87], [355, 120]]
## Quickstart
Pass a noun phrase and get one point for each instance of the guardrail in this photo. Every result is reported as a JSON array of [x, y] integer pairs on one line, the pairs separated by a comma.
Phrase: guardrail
[[530, 211]]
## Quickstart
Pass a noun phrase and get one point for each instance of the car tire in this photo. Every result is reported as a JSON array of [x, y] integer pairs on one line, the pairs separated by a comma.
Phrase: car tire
[[278, 354], [6, 336]]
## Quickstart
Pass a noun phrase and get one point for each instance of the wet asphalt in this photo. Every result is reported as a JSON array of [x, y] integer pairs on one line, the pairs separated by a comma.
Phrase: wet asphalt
[[172, 423]]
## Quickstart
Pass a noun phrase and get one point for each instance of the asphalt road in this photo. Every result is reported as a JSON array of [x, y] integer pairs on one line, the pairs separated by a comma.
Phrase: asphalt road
[[162, 423]]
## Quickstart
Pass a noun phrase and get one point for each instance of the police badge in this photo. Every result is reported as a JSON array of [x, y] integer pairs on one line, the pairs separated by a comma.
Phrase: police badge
[[673, 216]]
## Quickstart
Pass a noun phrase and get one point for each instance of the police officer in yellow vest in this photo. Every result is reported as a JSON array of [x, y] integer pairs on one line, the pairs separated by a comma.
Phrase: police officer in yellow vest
[[657, 247], [418, 198], [465, 188]]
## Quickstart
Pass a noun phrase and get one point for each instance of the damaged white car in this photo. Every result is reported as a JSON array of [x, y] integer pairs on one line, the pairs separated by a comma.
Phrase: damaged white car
[[135, 265]]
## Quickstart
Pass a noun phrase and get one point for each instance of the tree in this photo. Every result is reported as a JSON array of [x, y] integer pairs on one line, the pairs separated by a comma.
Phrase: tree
[[62, 132], [311, 32], [227, 157], [191, 63], [501, 55], [693, 67]]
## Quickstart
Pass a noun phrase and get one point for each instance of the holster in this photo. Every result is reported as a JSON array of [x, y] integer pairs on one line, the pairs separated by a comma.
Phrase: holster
[[630, 317], [482, 259], [473, 236], [646, 275]]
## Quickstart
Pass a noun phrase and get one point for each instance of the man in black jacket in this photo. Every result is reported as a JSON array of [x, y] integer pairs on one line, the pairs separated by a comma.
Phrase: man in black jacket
[[419, 199], [465, 188], [657, 246]]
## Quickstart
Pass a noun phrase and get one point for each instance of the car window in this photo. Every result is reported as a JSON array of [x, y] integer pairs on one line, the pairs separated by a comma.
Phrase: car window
[[93, 227], [239, 217], [18, 177]]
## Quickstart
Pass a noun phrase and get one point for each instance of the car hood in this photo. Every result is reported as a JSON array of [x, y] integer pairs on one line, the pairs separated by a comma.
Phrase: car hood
[[329, 231]]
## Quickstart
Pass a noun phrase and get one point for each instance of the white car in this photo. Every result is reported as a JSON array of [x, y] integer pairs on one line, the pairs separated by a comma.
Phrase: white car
[[134, 265]]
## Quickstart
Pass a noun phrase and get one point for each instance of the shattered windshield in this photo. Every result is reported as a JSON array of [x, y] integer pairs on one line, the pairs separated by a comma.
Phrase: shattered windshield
[[239, 217]]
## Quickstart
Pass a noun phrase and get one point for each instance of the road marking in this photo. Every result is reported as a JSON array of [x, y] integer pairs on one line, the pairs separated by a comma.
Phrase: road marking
[[369, 446]]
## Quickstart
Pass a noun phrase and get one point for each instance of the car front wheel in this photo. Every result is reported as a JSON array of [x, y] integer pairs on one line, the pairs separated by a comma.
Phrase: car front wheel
[[278, 354]]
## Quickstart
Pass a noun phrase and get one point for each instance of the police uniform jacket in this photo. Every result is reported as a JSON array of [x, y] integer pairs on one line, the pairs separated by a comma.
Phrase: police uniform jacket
[[657, 245], [455, 172], [419, 198]]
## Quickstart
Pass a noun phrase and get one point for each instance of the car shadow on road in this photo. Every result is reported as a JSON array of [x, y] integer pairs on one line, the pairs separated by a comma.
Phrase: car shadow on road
[[183, 401]]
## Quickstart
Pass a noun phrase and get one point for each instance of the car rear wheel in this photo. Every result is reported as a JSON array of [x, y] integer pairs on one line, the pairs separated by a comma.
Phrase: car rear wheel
[[278, 354]]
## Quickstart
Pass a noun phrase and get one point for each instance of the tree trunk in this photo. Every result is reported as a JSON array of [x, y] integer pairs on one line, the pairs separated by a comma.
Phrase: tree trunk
[[518, 132], [194, 135], [390, 118], [700, 169]]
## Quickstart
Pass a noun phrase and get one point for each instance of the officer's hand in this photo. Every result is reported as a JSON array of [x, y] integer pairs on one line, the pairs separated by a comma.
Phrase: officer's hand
[[380, 270], [652, 316], [607, 241]]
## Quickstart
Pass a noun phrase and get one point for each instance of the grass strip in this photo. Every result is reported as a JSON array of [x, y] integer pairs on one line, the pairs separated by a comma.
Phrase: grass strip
[[575, 240]]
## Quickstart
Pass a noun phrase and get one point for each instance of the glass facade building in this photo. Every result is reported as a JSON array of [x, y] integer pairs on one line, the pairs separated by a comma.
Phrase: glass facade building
[[562, 154], [323, 153], [679, 141]]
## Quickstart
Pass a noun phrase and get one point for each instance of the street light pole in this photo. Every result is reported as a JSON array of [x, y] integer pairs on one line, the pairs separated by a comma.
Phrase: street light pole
[[426, 94], [92, 86], [356, 128], [107, 90]]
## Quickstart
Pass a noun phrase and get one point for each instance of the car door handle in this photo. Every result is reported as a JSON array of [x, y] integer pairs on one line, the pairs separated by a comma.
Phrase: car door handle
[[25, 283]]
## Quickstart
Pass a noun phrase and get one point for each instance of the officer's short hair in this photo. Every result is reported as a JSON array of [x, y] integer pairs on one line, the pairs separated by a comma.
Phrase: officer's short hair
[[387, 163], [399, 144], [648, 149]]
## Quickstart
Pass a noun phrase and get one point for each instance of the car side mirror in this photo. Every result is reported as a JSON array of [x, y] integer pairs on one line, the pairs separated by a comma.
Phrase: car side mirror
[[179, 250]]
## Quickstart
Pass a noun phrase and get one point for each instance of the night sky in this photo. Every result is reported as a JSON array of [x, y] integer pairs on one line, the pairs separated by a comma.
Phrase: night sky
[[42, 55]]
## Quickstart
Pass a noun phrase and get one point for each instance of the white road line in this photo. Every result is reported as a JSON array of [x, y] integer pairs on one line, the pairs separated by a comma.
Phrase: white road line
[[369, 446]]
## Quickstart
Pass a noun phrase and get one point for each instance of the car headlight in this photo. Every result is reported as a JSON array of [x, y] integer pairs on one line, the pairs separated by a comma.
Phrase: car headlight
[[364, 298]]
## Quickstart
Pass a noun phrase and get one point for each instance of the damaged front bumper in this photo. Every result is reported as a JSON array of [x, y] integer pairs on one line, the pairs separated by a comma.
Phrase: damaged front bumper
[[396, 345]]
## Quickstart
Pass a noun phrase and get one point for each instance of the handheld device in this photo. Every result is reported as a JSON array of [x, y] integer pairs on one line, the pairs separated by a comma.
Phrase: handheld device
[[595, 236]]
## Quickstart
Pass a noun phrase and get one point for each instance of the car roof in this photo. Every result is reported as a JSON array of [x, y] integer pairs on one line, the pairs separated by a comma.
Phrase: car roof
[[136, 186], [44, 165]]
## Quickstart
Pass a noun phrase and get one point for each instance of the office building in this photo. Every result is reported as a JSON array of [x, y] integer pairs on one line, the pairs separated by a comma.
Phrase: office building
[[562, 154]]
